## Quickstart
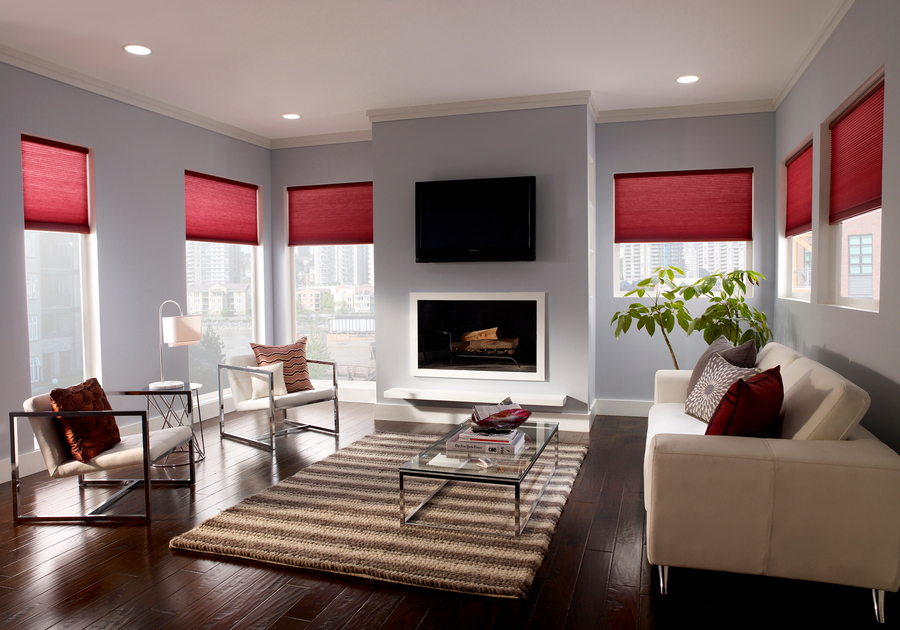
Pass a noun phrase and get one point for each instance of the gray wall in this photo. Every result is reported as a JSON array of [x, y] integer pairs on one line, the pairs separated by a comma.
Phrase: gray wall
[[306, 166], [860, 345], [551, 144], [139, 163], [625, 368]]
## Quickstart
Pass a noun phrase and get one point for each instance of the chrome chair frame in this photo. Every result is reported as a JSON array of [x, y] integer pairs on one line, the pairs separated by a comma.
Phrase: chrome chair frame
[[268, 442], [99, 513]]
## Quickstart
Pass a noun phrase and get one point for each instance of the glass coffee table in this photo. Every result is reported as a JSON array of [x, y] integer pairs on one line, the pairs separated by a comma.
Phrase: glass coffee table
[[437, 463]]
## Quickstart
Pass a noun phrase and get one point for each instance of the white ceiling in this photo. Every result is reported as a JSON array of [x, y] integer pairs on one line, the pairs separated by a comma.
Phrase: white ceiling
[[244, 63]]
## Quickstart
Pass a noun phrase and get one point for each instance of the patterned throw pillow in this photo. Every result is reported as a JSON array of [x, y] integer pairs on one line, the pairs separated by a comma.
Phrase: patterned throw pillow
[[293, 355], [743, 355], [87, 437], [718, 376]]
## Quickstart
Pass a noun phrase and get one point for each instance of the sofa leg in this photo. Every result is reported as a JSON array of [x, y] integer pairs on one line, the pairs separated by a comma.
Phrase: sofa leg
[[663, 579], [878, 598]]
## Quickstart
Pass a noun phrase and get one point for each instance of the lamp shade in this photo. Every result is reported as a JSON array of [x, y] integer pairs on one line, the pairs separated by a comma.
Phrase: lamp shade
[[183, 330]]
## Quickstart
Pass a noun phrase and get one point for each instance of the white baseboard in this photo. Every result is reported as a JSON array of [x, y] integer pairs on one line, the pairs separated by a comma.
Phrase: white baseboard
[[580, 422], [612, 407]]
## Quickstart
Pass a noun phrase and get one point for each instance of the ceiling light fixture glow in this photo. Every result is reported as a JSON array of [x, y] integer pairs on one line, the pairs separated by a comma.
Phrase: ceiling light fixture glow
[[291, 116], [688, 78], [134, 49]]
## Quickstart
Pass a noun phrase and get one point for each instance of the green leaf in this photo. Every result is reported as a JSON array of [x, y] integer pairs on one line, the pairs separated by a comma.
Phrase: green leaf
[[651, 326], [619, 329], [627, 324], [689, 293]]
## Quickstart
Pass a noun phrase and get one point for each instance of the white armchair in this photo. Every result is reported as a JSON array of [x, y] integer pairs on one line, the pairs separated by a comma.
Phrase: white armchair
[[241, 370], [143, 450]]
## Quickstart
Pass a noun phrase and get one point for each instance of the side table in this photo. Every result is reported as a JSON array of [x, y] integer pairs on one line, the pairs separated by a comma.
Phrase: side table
[[165, 402]]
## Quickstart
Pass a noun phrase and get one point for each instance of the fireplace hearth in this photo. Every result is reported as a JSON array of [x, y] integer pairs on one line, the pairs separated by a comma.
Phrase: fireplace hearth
[[478, 335]]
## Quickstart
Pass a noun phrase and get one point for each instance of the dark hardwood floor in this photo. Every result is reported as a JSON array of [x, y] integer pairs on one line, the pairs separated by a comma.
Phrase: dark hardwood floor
[[594, 576]]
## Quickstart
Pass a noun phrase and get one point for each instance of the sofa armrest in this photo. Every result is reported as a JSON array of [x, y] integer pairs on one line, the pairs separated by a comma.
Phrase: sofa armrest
[[824, 510], [670, 386]]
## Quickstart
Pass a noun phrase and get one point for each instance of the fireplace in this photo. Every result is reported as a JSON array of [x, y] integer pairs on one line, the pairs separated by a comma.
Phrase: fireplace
[[499, 336]]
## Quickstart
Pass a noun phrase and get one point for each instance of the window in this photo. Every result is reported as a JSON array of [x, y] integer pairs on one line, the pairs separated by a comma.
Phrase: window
[[798, 219], [334, 276], [699, 221], [55, 189], [860, 266], [857, 142], [36, 376], [222, 241]]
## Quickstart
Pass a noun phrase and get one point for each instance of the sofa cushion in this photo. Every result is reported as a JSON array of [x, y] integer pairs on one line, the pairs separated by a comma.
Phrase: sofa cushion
[[819, 404], [89, 436], [712, 385], [773, 354], [751, 407], [743, 355], [293, 355]]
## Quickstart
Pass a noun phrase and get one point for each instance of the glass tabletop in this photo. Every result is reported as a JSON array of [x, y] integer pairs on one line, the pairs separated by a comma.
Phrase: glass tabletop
[[438, 461]]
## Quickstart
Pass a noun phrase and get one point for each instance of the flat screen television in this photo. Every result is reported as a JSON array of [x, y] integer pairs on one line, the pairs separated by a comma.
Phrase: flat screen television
[[470, 220]]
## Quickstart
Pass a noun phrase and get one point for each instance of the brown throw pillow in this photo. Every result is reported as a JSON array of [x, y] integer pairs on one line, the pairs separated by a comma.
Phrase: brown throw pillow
[[743, 356], [293, 355], [90, 436]]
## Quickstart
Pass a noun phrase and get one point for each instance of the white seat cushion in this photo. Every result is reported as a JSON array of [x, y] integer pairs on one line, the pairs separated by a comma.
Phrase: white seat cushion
[[671, 418], [288, 400], [128, 452]]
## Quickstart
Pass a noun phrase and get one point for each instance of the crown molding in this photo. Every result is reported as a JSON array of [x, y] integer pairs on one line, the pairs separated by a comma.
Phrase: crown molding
[[62, 74], [326, 138], [479, 107], [824, 33], [685, 111]]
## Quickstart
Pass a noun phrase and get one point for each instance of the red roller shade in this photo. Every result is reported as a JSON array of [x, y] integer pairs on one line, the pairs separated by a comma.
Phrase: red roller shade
[[55, 186], [684, 206], [857, 140], [332, 214], [220, 210], [799, 193]]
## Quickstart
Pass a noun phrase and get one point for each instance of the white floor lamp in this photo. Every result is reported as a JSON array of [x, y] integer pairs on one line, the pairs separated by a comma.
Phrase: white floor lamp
[[183, 330]]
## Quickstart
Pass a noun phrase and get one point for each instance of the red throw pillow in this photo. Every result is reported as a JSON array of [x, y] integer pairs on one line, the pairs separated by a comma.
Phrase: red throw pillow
[[293, 355], [751, 407], [87, 437]]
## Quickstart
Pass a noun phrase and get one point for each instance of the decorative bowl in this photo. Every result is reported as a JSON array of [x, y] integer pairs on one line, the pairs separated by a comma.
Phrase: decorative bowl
[[504, 420]]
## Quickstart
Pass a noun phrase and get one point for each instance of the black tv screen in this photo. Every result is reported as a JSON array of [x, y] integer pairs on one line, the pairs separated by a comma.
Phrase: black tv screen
[[475, 220]]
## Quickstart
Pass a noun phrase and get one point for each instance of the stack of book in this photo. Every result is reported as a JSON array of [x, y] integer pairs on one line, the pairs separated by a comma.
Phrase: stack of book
[[471, 441]]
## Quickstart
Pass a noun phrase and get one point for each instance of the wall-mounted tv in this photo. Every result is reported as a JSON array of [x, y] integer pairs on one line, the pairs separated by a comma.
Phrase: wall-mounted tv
[[469, 220]]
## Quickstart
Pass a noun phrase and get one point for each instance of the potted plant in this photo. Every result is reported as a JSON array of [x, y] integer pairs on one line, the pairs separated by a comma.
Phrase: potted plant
[[666, 310], [728, 313]]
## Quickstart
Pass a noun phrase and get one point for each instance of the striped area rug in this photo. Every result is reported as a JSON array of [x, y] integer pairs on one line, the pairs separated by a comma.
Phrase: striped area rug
[[342, 515]]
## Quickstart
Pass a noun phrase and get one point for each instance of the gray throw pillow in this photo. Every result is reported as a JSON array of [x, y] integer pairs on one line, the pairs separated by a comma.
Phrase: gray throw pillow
[[743, 355], [718, 376]]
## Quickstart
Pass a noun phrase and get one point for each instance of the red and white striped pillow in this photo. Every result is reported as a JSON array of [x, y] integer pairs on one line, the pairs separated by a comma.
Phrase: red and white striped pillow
[[293, 355]]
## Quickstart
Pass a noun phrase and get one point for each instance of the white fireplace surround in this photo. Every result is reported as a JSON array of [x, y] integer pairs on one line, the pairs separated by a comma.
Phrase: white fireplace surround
[[538, 375]]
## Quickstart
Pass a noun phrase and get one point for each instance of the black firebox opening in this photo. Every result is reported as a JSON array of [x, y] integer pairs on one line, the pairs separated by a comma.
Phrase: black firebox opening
[[442, 322]]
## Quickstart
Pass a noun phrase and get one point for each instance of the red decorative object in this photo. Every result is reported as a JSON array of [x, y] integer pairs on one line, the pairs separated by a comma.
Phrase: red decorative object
[[220, 210], [332, 214], [751, 407], [857, 147], [55, 186], [505, 420], [684, 206], [798, 213]]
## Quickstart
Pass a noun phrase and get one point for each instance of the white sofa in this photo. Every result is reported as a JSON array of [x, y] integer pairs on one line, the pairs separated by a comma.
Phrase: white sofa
[[821, 504]]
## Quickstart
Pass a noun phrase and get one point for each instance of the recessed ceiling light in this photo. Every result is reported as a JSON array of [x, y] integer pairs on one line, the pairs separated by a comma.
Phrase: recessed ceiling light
[[134, 49], [291, 116], [688, 78]]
